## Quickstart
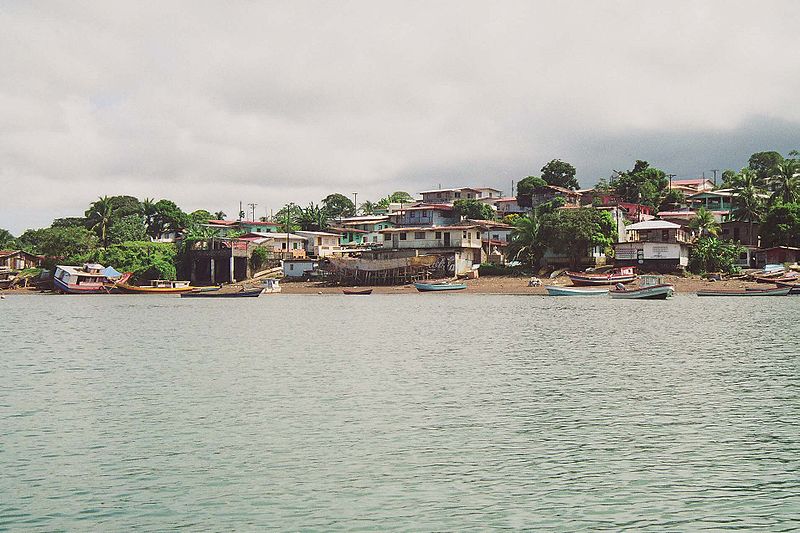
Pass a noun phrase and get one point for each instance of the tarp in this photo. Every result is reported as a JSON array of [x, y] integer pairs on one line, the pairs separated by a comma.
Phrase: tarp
[[111, 273]]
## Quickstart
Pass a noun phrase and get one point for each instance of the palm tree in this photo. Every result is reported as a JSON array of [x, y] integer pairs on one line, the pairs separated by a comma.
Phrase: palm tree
[[312, 218], [749, 208], [151, 222], [99, 217], [525, 242], [786, 182], [704, 223], [368, 208], [220, 215]]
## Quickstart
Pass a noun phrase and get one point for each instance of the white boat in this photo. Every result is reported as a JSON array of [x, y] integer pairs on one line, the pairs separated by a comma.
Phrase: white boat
[[575, 291], [650, 288]]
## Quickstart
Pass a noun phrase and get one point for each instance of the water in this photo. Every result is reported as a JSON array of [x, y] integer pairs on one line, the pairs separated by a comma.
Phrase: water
[[414, 412]]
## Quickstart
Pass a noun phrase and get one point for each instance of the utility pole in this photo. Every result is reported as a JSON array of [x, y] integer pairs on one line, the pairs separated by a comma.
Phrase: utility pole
[[715, 170], [289, 207], [355, 201], [512, 188], [670, 176], [252, 210], [241, 212]]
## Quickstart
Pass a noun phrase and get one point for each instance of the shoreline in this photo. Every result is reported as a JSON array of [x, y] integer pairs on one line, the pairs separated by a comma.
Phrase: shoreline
[[497, 285]]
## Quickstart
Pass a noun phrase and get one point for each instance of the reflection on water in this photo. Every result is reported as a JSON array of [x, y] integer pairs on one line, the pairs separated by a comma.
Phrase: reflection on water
[[404, 411]]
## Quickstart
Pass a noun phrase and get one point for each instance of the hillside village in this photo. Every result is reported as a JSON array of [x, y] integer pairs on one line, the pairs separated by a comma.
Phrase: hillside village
[[641, 217]]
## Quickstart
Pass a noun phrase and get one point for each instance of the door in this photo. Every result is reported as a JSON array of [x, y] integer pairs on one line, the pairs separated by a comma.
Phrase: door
[[395, 240], [446, 238]]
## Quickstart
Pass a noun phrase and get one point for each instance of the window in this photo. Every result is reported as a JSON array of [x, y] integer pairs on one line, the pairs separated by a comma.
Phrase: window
[[463, 234], [374, 238], [438, 234], [283, 246], [403, 236], [319, 241], [478, 235], [387, 236], [423, 214], [438, 195], [419, 235], [458, 195], [291, 266], [413, 214], [294, 245], [664, 234], [496, 236]]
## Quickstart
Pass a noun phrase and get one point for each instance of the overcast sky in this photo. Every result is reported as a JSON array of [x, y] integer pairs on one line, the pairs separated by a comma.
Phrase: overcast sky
[[209, 103]]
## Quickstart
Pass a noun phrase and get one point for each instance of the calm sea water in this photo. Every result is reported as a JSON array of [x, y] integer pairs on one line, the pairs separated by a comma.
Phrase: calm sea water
[[414, 412]]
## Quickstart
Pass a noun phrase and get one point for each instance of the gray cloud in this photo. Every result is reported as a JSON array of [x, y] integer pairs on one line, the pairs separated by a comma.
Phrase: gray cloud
[[211, 103]]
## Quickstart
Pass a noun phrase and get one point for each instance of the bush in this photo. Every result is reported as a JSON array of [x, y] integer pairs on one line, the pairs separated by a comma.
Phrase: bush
[[259, 258], [713, 255], [146, 260]]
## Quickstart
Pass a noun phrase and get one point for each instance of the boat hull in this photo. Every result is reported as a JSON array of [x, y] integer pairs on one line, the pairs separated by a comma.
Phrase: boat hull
[[133, 289], [780, 291], [60, 286], [585, 280], [434, 287], [253, 293], [572, 291], [654, 292], [357, 292]]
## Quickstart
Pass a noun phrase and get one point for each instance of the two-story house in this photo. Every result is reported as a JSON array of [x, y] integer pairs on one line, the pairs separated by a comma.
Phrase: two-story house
[[320, 243], [654, 245], [426, 215], [458, 245], [363, 230], [448, 196]]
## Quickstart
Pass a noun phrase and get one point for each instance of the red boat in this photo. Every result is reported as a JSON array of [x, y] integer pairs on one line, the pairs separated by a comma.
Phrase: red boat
[[619, 275]]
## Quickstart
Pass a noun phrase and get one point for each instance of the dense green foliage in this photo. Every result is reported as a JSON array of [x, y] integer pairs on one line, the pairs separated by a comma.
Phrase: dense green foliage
[[312, 218], [259, 258], [781, 225], [573, 232], [672, 200], [474, 209], [128, 228], [704, 223], [710, 254], [560, 174], [526, 245], [525, 189], [764, 164], [147, 260], [68, 245], [642, 184], [338, 205], [7, 241]]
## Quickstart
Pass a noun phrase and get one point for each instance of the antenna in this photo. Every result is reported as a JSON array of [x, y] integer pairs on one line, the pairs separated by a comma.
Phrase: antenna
[[252, 210], [715, 170]]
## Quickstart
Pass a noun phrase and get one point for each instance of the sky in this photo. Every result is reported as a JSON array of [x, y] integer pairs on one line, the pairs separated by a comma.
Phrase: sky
[[213, 103]]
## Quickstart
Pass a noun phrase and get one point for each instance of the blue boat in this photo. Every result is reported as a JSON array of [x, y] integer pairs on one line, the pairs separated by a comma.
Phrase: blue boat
[[431, 287], [574, 291]]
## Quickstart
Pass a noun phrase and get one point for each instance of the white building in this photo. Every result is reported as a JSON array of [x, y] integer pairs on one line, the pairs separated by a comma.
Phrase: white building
[[320, 243]]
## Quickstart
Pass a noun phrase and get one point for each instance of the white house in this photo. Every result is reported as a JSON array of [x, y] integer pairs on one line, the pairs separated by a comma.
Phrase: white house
[[462, 236], [654, 245], [320, 243], [298, 268]]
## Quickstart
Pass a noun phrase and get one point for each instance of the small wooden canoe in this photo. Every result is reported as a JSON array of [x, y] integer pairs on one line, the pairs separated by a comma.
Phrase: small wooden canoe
[[778, 291], [433, 287], [652, 292], [165, 287], [357, 292], [794, 288], [574, 291], [580, 279], [249, 293]]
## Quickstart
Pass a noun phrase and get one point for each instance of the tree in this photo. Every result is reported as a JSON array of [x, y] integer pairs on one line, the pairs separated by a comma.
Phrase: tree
[[786, 181], [574, 231], [7, 241], [672, 200], [397, 197], [474, 209], [642, 184], [560, 174], [201, 216], [126, 229], [99, 217], [146, 260], [764, 164], [168, 217], [525, 245], [704, 223], [150, 213], [368, 208], [219, 215], [749, 208], [70, 244], [312, 218], [525, 189], [728, 176], [781, 226], [710, 254], [338, 205], [69, 222], [288, 217]]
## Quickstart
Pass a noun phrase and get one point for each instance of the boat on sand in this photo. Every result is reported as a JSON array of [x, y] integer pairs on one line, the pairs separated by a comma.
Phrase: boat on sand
[[620, 275], [574, 291], [157, 286], [650, 288], [776, 291], [357, 292], [433, 287]]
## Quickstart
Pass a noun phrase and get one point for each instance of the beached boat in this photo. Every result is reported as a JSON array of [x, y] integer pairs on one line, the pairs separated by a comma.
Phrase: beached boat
[[777, 291], [87, 279], [794, 288], [157, 286], [357, 292], [650, 288], [433, 287], [620, 275], [218, 293], [572, 291]]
